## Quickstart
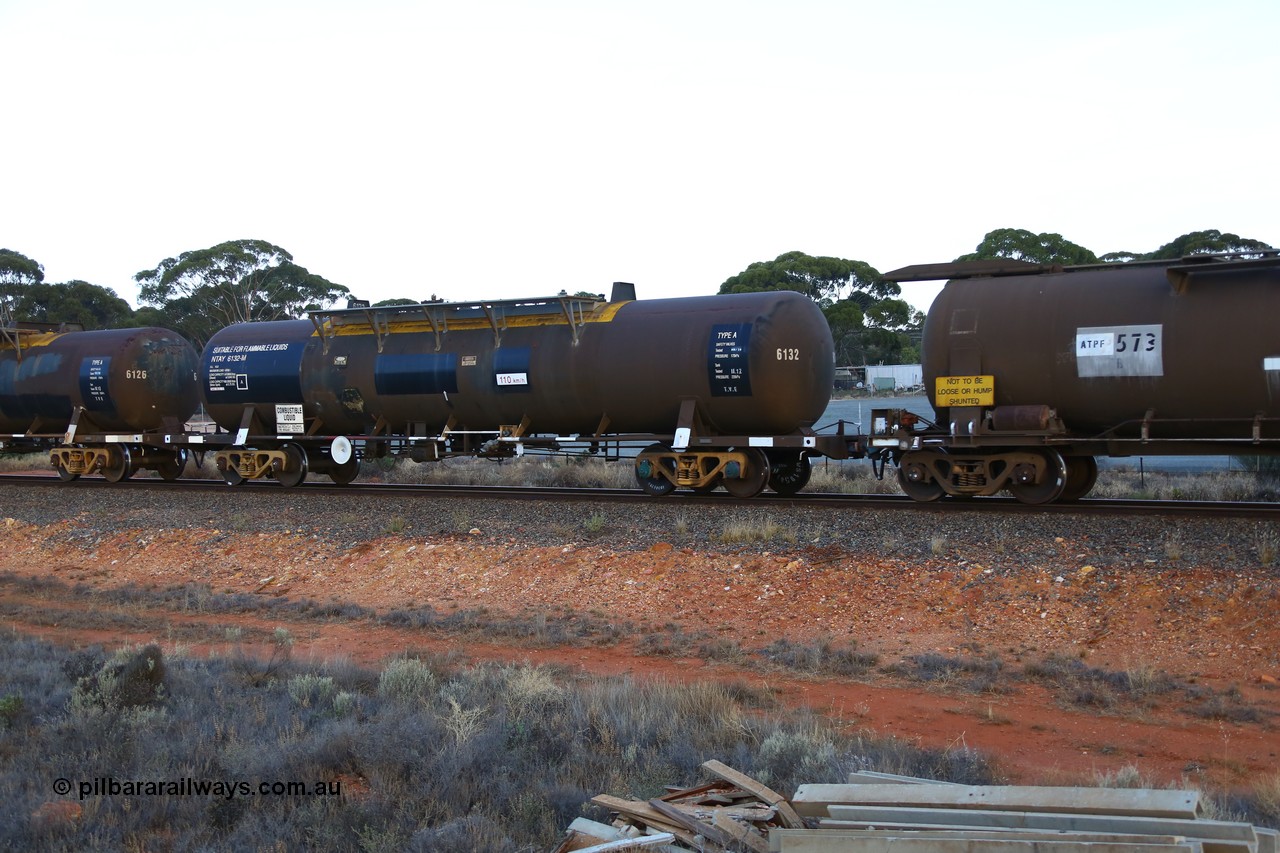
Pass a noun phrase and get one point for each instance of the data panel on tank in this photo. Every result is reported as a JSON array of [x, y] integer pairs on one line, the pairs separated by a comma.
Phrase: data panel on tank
[[1114, 351], [245, 373], [94, 385], [727, 360]]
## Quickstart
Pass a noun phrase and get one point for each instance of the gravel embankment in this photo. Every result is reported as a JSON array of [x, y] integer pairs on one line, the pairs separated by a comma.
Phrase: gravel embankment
[[959, 535]]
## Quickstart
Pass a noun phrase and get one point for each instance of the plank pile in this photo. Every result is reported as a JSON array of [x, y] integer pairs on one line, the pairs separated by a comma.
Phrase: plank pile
[[900, 814], [876, 812], [733, 813]]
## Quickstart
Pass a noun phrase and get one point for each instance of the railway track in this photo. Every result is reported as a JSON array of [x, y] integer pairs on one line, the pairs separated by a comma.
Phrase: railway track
[[1001, 505]]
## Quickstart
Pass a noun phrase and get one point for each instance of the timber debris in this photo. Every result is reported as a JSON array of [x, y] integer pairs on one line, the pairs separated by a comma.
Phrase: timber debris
[[901, 814]]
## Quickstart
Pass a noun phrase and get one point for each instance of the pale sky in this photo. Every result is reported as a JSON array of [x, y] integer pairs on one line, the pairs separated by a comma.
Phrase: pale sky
[[503, 149]]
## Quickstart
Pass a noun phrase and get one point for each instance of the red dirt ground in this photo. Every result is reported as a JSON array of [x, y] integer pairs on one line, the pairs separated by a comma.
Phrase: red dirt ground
[[1212, 629]]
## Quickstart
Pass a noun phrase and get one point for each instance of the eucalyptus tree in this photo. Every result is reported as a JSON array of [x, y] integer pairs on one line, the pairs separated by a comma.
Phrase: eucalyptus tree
[[1202, 242], [241, 280], [825, 280], [89, 305], [869, 323], [1020, 245], [17, 272]]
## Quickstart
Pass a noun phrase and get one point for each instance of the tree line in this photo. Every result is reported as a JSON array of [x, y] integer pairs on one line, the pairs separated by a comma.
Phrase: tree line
[[203, 290], [196, 293]]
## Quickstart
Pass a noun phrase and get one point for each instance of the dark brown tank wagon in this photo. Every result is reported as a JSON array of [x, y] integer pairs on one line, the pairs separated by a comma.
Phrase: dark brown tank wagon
[[99, 401], [718, 390], [1036, 370]]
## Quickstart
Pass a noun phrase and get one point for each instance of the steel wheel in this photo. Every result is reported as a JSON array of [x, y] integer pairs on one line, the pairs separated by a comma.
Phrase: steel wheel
[[231, 474], [1082, 473], [295, 470], [64, 475], [651, 481], [171, 468], [916, 481], [345, 473], [790, 474], [753, 479], [1050, 487], [120, 466]]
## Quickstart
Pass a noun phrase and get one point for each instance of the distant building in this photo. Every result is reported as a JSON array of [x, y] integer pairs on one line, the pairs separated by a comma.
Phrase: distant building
[[880, 378]]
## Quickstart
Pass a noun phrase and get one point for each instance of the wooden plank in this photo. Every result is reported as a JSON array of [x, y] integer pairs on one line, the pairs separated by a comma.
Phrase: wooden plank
[[641, 812], [631, 843], [585, 833], [692, 824], [717, 789], [758, 813], [603, 831], [741, 833], [813, 800], [1217, 836], [629, 808], [835, 841], [1268, 840], [786, 814]]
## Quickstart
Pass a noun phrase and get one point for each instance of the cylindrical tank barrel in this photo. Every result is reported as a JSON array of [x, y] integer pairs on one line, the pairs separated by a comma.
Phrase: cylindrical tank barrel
[[124, 379], [255, 366], [1106, 346], [755, 364]]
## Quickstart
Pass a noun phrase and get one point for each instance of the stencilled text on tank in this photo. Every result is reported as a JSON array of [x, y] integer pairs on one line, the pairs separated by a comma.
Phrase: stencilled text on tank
[[728, 359], [95, 373], [274, 368], [1103, 351]]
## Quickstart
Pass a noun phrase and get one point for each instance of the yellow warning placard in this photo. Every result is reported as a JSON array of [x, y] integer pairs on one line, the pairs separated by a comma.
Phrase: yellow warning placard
[[964, 391]]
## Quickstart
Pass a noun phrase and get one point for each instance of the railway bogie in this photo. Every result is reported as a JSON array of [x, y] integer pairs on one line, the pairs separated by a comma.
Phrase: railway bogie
[[742, 471], [117, 461]]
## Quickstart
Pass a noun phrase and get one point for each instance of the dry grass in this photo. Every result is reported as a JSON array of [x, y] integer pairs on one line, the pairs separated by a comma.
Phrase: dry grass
[[747, 529], [1127, 483], [18, 462], [426, 754]]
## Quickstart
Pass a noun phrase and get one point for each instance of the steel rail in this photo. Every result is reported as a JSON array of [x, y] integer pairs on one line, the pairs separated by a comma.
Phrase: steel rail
[[1007, 505]]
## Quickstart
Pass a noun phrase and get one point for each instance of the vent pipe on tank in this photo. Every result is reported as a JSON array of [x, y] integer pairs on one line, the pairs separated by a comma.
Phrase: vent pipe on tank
[[623, 291]]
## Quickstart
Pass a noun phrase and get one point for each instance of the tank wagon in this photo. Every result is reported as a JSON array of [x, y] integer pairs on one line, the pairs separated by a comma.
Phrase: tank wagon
[[717, 390], [1037, 370], [98, 401]]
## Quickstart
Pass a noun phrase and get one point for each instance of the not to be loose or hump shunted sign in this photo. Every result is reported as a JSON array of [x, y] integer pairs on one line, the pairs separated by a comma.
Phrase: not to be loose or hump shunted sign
[[964, 391]]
